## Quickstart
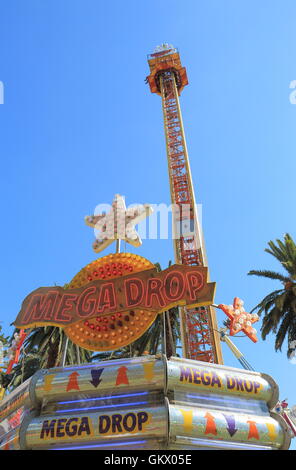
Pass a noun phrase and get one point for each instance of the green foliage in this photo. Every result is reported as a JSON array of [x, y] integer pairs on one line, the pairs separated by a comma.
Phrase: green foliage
[[279, 307], [3, 339], [24, 369], [4, 378], [43, 349], [49, 342]]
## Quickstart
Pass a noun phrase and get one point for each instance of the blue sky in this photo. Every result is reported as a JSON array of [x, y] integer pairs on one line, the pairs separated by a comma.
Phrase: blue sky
[[78, 125]]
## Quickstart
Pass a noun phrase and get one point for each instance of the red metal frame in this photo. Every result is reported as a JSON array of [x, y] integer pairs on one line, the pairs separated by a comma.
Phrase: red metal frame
[[167, 79], [15, 359]]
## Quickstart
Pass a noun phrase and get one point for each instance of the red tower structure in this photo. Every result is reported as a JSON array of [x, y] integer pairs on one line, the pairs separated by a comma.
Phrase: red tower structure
[[200, 338]]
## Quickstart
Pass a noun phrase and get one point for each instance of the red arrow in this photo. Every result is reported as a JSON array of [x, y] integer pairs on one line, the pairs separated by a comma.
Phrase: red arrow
[[121, 376], [253, 431], [211, 425], [73, 384], [15, 359]]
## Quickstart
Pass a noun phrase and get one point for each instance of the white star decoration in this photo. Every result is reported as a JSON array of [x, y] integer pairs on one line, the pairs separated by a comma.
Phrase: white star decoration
[[240, 320], [118, 224]]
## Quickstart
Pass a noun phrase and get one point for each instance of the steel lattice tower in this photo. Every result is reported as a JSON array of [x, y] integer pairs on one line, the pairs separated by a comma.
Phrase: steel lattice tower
[[200, 339]]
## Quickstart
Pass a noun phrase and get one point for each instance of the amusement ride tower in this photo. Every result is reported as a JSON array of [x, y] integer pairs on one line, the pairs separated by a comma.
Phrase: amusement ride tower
[[139, 400], [200, 338]]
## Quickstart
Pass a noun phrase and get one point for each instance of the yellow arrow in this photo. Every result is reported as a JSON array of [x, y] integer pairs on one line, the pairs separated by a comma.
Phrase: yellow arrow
[[47, 382], [188, 417], [149, 370], [271, 430]]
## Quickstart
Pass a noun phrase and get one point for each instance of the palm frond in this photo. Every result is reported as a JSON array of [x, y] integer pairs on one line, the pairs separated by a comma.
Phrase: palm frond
[[282, 331], [270, 322], [269, 298], [269, 275], [279, 306]]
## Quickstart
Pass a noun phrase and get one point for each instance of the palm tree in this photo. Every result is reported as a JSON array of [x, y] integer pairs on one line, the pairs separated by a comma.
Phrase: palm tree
[[24, 369], [43, 349], [4, 339], [49, 342], [279, 306]]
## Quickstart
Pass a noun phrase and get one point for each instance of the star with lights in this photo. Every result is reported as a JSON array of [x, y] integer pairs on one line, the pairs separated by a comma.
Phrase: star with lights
[[118, 224], [240, 320]]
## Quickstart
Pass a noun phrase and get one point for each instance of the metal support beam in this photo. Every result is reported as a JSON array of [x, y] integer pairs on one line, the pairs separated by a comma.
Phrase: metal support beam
[[237, 353], [200, 340]]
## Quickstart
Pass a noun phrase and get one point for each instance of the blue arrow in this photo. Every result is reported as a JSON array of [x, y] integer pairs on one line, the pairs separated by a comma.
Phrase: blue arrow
[[96, 377], [230, 424]]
